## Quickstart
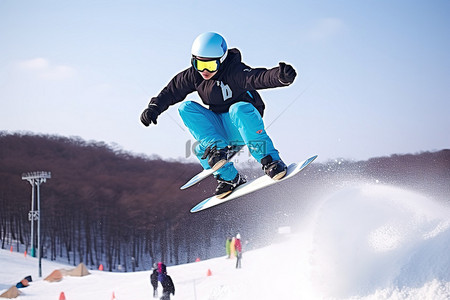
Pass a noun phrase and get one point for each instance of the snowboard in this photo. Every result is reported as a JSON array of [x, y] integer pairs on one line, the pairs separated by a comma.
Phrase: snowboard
[[205, 173], [253, 185]]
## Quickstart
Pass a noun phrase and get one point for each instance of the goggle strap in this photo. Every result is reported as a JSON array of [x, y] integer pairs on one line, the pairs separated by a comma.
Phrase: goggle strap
[[223, 57]]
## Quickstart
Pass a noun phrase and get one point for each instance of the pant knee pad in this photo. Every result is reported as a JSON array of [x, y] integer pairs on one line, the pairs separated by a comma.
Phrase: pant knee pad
[[241, 108]]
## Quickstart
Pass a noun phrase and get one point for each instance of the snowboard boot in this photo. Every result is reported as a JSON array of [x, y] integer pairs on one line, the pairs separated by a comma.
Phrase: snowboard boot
[[274, 169], [216, 157], [226, 187]]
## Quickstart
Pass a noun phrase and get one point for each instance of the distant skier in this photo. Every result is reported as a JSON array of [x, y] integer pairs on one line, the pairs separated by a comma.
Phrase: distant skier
[[227, 247], [232, 248], [162, 271], [168, 288], [238, 247], [154, 280], [234, 118]]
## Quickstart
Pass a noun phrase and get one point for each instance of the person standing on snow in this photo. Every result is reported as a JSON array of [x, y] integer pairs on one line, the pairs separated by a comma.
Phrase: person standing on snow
[[238, 247], [232, 249], [154, 280], [168, 288], [162, 271], [227, 247], [234, 118]]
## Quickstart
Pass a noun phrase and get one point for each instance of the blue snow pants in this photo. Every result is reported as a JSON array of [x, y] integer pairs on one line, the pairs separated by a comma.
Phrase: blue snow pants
[[241, 125]]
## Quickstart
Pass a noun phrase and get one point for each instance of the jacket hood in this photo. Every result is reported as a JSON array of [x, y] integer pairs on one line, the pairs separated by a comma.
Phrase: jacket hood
[[234, 57]]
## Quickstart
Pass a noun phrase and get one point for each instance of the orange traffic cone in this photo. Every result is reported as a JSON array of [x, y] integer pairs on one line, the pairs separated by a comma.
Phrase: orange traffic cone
[[25, 253], [197, 259], [209, 273], [100, 267], [11, 249], [113, 297], [62, 296]]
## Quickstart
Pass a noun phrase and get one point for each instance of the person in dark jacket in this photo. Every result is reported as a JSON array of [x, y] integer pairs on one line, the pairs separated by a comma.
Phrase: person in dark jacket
[[154, 280], [162, 271], [168, 288], [235, 109]]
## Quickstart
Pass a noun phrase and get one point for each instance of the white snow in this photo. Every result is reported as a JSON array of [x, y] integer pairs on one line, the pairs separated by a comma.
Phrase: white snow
[[363, 242]]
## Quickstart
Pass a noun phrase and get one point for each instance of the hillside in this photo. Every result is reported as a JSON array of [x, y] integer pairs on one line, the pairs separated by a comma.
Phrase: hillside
[[108, 206]]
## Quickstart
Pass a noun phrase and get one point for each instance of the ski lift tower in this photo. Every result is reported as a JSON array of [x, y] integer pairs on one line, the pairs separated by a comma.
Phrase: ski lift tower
[[36, 179]]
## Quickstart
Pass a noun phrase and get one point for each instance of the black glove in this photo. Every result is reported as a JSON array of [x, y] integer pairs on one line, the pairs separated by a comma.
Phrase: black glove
[[149, 115], [287, 74]]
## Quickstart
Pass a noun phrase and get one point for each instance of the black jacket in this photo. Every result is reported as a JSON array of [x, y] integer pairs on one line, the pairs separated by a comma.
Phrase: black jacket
[[234, 82], [168, 286], [154, 278]]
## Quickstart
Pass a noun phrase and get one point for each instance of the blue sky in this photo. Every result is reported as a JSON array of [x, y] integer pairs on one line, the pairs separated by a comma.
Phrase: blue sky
[[374, 76]]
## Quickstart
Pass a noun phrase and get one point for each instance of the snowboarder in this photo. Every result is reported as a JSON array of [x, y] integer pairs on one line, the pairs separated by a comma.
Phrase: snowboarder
[[234, 118], [168, 288], [238, 248], [154, 280]]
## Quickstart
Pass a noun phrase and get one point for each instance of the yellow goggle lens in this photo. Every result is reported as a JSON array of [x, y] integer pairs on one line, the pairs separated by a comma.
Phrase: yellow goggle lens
[[209, 65]]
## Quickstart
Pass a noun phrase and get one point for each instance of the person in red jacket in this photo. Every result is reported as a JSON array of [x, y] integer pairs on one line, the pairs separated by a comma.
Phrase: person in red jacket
[[238, 248]]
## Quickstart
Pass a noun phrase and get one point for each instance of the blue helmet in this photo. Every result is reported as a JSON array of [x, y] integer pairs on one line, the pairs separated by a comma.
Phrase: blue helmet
[[210, 45]]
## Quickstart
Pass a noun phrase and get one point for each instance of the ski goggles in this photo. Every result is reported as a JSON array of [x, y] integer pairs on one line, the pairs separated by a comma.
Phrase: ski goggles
[[208, 65]]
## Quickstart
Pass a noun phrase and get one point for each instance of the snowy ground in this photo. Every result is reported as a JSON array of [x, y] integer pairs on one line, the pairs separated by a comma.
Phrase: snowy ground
[[363, 242]]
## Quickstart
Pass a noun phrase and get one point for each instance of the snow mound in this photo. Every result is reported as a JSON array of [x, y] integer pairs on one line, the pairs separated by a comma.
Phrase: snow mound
[[373, 239]]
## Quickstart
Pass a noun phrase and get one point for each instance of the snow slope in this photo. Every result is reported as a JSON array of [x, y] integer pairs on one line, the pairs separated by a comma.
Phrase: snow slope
[[363, 242]]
